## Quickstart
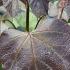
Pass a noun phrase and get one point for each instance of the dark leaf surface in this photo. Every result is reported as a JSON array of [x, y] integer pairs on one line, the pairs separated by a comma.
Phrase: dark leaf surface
[[39, 7], [47, 49]]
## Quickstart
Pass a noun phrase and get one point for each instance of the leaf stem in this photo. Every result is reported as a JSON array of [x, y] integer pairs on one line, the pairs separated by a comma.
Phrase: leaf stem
[[61, 12], [62, 4], [10, 22], [27, 16], [38, 21]]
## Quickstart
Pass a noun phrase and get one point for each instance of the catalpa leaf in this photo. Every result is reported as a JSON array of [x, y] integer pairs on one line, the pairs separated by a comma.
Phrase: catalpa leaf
[[52, 24], [45, 49], [39, 7]]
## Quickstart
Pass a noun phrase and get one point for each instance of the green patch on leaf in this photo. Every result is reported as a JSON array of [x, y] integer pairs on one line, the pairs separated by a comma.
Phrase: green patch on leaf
[[21, 20]]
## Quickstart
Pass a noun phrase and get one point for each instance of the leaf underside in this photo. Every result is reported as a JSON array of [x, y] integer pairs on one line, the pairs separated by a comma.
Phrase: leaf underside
[[46, 49]]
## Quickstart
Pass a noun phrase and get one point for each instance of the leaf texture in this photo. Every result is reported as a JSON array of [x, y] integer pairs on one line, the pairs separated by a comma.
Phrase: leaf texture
[[46, 49], [11, 6], [39, 7]]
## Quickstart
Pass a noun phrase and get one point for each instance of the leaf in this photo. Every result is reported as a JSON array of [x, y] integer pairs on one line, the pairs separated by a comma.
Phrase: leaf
[[53, 24], [12, 7], [39, 7], [45, 49]]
